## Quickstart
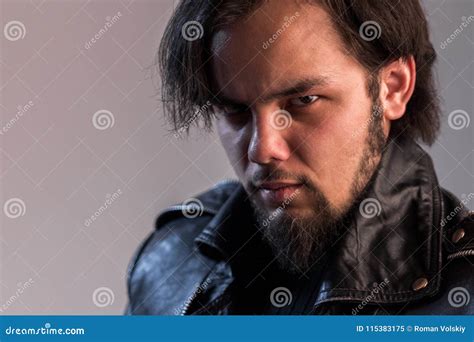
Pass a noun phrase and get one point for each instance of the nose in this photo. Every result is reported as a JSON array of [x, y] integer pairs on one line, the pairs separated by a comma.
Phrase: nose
[[268, 143]]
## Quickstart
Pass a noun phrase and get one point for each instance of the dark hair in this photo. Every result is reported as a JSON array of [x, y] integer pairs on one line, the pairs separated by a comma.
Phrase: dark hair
[[184, 55]]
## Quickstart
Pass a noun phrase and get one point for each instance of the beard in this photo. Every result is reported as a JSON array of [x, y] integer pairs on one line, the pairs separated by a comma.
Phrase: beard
[[299, 243]]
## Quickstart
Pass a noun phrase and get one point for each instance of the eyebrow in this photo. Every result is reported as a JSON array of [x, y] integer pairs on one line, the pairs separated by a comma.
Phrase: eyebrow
[[299, 86]]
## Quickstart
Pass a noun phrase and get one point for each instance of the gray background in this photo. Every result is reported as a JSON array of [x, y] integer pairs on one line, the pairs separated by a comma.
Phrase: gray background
[[63, 169]]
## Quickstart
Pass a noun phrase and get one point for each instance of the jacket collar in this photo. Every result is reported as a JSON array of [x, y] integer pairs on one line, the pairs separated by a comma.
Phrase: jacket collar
[[231, 227], [392, 250]]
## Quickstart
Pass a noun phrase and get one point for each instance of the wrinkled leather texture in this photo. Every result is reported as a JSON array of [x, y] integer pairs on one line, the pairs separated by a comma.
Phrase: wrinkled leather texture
[[184, 266]]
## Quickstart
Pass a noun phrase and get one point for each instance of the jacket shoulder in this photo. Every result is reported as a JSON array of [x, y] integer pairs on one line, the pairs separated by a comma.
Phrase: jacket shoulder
[[189, 216], [461, 239], [172, 241], [458, 272], [457, 224], [206, 203], [457, 281]]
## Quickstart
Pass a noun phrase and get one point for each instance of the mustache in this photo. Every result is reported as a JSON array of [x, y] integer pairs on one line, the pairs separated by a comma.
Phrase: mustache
[[274, 175]]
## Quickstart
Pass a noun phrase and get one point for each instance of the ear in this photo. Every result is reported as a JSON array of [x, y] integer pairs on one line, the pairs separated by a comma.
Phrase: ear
[[397, 82]]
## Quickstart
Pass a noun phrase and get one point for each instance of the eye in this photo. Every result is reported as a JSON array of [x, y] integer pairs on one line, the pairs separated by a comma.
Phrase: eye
[[235, 115], [304, 100]]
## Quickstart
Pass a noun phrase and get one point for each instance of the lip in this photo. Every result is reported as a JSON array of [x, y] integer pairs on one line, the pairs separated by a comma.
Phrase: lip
[[275, 193]]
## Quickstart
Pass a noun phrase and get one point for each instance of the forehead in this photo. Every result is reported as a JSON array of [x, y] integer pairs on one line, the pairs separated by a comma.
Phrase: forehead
[[280, 41]]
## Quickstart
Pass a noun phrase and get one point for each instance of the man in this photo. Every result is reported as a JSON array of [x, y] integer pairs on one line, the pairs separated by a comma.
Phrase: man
[[337, 210]]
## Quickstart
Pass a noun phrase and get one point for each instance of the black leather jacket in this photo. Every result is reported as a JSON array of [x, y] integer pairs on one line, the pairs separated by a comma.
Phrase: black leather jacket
[[422, 241]]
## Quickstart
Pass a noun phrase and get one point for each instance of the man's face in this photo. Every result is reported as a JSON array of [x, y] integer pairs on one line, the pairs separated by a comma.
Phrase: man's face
[[296, 119]]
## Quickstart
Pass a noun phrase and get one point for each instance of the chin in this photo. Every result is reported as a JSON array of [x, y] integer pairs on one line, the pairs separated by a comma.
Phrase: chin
[[293, 212]]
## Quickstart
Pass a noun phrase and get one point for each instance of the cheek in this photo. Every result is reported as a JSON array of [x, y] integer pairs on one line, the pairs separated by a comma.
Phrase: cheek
[[332, 149], [327, 153], [235, 143], [338, 137]]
